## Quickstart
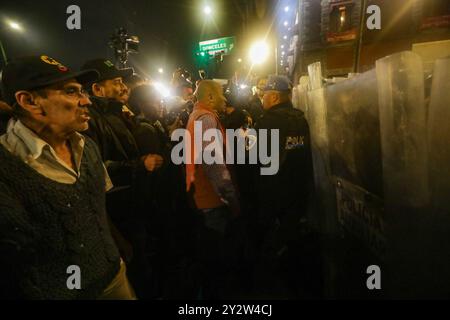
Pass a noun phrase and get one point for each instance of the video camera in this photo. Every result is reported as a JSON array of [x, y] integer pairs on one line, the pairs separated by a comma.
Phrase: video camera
[[176, 110], [123, 44]]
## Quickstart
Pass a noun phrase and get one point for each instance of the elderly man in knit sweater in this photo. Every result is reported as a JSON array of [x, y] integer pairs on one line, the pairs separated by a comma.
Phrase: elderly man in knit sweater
[[52, 191]]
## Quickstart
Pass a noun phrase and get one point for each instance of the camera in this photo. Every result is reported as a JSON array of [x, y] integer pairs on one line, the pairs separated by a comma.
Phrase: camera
[[181, 112], [181, 76], [123, 44]]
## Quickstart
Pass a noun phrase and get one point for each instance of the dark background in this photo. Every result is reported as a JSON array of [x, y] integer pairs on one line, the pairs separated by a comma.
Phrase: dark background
[[169, 30]]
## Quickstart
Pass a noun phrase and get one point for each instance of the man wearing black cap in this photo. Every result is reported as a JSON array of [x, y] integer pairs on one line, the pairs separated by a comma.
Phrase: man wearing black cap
[[110, 124], [111, 127], [283, 197], [52, 190]]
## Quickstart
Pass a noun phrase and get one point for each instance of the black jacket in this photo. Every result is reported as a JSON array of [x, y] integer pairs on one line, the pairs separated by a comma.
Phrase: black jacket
[[112, 131], [110, 128], [289, 189]]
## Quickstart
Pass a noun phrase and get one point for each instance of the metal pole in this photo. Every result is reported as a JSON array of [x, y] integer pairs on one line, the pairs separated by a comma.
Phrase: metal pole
[[276, 59], [358, 44]]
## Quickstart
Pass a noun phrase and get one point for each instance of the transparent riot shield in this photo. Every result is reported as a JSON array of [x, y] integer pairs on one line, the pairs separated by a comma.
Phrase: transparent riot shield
[[439, 135], [403, 124], [324, 212], [356, 173], [439, 169]]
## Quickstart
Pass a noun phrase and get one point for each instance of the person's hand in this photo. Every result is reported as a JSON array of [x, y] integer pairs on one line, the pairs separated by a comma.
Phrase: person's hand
[[153, 162]]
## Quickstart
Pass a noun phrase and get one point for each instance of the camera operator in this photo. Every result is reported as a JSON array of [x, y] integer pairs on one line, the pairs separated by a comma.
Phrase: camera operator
[[180, 106], [235, 116]]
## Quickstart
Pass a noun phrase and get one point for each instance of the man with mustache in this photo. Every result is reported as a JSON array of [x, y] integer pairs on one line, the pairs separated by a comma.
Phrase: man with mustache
[[111, 127], [52, 190]]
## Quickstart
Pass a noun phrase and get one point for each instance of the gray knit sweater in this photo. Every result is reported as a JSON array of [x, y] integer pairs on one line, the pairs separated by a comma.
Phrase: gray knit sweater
[[46, 226]]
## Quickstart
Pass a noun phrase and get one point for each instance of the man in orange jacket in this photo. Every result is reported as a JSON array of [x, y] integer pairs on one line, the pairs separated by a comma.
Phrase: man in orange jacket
[[211, 188]]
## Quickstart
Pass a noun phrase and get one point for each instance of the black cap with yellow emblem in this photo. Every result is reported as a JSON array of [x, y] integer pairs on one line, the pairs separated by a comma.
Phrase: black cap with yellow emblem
[[36, 72]]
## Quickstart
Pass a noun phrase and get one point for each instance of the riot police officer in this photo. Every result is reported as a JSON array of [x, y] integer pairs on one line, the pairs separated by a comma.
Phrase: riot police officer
[[283, 198]]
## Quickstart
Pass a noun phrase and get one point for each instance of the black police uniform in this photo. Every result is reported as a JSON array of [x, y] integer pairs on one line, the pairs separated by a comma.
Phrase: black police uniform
[[283, 201], [289, 189]]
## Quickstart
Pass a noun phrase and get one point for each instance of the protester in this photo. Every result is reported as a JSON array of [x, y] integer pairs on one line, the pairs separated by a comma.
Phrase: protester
[[52, 190], [170, 220], [211, 190], [111, 127], [255, 107]]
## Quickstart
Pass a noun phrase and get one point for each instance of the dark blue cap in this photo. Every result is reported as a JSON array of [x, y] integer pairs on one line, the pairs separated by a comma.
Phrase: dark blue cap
[[278, 83]]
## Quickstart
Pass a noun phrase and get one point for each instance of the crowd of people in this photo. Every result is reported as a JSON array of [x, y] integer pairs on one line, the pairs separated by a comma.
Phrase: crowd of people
[[87, 180]]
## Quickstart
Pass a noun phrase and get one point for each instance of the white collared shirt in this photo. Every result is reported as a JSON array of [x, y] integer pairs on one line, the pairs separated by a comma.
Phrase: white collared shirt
[[39, 155]]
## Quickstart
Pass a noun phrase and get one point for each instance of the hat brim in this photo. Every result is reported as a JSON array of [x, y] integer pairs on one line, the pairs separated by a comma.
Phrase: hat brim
[[86, 76], [275, 89], [83, 77], [122, 73]]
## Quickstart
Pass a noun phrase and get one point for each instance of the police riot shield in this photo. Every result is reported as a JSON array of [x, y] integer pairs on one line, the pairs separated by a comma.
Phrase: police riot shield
[[439, 174], [356, 175], [382, 177]]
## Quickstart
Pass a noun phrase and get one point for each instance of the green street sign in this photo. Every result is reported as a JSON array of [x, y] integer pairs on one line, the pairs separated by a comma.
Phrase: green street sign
[[214, 46]]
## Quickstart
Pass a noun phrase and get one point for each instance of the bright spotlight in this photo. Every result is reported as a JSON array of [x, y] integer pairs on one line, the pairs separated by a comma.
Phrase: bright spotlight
[[163, 90], [239, 60], [161, 70], [15, 26], [285, 37], [207, 10], [286, 23], [286, 9], [259, 52]]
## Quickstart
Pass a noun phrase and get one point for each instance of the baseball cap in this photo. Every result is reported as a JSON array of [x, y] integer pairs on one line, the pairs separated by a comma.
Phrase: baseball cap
[[36, 72], [278, 83], [106, 69]]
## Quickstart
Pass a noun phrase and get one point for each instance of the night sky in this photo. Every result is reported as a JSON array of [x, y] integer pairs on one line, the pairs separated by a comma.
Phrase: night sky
[[169, 30]]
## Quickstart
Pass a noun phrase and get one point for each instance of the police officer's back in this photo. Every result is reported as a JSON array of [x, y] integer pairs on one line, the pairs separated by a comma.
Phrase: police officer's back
[[289, 255], [289, 189]]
